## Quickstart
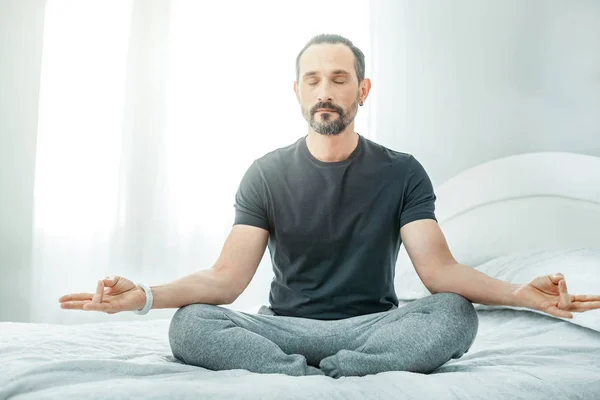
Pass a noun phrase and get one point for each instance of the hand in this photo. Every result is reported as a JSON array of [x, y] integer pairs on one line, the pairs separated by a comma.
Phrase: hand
[[113, 294], [548, 293]]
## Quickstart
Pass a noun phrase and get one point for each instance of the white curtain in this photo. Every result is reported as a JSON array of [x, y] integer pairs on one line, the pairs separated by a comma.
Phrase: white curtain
[[150, 112]]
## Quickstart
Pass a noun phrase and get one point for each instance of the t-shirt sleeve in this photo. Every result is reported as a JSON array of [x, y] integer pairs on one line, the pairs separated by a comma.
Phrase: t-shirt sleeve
[[419, 197], [250, 200]]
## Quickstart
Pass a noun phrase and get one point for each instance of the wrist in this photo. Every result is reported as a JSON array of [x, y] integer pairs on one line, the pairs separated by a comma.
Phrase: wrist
[[518, 298], [147, 306], [141, 297]]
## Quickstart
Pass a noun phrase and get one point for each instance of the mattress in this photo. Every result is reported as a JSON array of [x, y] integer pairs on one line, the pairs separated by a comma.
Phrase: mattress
[[517, 354]]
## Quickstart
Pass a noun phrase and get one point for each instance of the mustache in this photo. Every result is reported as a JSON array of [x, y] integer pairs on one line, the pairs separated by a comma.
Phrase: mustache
[[327, 105]]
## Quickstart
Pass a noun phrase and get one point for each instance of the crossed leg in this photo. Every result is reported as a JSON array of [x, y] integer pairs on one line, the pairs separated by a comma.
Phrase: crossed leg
[[418, 337]]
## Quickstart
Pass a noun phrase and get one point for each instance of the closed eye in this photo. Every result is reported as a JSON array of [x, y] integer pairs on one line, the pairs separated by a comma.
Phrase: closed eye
[[336, 82]]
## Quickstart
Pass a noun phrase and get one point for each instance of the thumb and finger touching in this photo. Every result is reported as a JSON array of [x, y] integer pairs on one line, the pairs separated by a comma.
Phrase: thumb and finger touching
[[115, 285], [555, 278], [564, 301], [553, 286], [106, 297], [569, 303]]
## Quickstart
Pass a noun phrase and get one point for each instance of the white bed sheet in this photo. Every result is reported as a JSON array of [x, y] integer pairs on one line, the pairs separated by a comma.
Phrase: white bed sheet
[[517, 354]]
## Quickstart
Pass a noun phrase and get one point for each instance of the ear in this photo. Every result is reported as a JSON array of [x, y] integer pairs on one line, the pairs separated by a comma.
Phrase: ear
[[296, 91], [365, 88]]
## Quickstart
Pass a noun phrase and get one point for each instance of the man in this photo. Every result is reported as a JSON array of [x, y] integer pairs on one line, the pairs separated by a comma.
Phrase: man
[[334, 208]]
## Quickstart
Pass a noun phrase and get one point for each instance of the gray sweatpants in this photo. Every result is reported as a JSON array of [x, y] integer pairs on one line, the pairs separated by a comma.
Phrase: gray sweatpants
[[417, 337]]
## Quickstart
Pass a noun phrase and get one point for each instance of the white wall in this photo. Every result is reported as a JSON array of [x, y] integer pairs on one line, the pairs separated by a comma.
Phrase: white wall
[[455, 82], [460, 82], [21, 28]]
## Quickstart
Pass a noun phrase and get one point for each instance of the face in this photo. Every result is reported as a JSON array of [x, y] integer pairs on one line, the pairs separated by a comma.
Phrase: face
[[328, 89]]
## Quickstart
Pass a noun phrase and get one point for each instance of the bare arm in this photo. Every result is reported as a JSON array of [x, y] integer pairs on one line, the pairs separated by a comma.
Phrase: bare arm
[[220, 284], [204, 286], [439, 271], [226, 280]]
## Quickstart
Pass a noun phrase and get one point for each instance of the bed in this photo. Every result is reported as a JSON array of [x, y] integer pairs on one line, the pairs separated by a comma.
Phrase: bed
[[513, 218]]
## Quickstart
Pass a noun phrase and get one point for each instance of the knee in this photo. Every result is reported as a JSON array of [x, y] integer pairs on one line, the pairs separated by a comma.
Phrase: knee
[[187, 317], [461, 315], [187, 323]]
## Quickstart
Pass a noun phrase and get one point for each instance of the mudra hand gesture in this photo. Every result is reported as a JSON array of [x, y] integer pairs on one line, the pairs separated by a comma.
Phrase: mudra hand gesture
[[548, 293], [113, 294]]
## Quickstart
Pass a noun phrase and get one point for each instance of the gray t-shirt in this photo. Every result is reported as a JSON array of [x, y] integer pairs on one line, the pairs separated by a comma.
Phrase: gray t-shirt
[[334, 227]]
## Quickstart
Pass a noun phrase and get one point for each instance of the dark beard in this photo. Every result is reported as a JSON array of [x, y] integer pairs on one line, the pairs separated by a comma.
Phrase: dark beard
[[328, 125]]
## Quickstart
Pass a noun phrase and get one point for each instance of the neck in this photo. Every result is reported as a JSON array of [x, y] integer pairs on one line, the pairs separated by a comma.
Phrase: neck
[[332, 148]]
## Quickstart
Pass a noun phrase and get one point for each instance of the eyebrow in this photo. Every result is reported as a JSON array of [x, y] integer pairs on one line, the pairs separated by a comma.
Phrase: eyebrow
[[336, 72]]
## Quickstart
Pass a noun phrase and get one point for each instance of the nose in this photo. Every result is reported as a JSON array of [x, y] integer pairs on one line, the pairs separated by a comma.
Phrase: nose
[[324, 93]]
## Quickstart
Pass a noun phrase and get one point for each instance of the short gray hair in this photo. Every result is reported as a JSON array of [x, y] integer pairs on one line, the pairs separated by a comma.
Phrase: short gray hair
[[359, 57]]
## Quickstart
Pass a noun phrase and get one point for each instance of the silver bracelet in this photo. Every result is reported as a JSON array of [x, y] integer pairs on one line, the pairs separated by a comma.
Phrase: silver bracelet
[[144, 310]]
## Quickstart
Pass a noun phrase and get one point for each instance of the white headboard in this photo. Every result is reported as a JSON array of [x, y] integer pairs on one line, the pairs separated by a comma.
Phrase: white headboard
[[546, 200]]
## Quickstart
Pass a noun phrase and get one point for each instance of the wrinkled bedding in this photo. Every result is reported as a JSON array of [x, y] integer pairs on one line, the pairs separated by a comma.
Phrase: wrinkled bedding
[[517, 355]]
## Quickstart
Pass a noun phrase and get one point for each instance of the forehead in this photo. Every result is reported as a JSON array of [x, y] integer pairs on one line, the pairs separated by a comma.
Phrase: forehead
[[325, 57]]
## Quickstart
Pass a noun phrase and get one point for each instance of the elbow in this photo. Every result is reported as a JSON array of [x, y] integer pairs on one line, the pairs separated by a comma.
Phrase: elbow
[[229, 292], [226, 294], [229, 299], [431, 288], [432, 284], [226, 290], [436, 278]]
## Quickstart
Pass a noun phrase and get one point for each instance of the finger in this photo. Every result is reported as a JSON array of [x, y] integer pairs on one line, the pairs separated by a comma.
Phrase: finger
[[74, 305], [110, 281], [585, 306], [557, 312], [87, 306], [555, 278], [565, 300], [99, 292], [78, 296], [97, 307], [585, 297]]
